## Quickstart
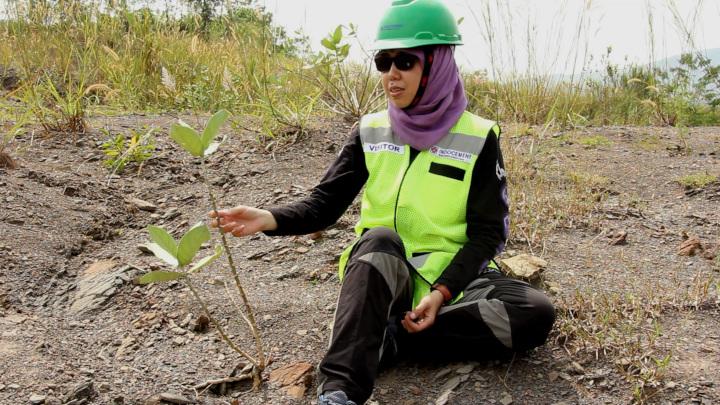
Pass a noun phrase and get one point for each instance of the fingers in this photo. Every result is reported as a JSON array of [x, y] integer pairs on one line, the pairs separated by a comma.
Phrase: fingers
[[232, 221], [231, 228], [238, 231], [419, 319], [414, 326], [220, 213], [239, 210], [228, 212], [216, 222], [412, 323], [222, 217]]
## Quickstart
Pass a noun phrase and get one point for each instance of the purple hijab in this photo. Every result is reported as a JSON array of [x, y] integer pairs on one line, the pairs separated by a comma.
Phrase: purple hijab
[[440, 107]]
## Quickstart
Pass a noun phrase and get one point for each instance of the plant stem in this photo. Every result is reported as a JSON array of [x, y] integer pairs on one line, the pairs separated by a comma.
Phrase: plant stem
[[219, 328], [233, 270]]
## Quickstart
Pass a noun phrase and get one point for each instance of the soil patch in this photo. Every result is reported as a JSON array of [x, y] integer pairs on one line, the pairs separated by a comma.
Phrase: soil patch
[[75, 327]]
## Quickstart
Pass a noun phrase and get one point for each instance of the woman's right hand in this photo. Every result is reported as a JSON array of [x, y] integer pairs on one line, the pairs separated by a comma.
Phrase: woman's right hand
[[244, 221]]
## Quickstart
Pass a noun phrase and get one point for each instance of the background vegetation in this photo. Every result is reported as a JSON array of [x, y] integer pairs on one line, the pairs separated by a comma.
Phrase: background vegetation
[[69, 57]]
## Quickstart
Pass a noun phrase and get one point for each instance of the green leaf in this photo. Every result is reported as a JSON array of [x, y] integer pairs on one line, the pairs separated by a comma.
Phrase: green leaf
[[337, 35], [327, 44], [212, 127], [183, 123], [344, 51], [164, 247], [162, 254], [155, 276], [187, 138], [190, 243], [163, 238], [207, 260], [214, 147]]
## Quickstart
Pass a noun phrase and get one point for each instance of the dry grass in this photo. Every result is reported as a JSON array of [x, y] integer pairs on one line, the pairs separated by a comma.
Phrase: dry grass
[[545, 194], [627, 329], [624, 324]]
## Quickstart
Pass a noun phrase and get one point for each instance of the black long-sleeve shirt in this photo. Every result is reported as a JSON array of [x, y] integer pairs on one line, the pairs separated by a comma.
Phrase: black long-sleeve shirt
[[487, 208]]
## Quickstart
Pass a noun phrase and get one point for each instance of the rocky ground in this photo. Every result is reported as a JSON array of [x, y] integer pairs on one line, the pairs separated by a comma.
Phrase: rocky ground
[[76, 329]]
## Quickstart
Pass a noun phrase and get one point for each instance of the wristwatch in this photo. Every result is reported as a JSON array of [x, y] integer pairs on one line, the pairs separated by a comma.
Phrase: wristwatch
[[444, 290]]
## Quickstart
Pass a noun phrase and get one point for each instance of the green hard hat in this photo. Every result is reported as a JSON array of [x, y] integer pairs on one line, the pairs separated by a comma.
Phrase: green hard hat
[[413, 23]]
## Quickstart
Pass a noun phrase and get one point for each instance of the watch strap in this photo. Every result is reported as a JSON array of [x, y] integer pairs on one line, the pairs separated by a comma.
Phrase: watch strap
[[444, 290]]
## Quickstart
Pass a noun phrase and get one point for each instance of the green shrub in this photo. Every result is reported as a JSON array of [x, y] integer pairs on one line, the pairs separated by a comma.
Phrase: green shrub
[[696, 180], [119, 150], [595, 141]]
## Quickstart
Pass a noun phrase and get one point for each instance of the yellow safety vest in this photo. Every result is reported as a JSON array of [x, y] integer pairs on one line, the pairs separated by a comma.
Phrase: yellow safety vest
[[425, 201]]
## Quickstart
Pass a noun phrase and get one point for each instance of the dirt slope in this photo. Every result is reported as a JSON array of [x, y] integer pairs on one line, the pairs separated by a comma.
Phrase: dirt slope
[[71, 315]]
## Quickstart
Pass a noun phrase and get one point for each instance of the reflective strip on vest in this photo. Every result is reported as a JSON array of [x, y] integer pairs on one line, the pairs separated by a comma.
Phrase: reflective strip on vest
[[383, 139]]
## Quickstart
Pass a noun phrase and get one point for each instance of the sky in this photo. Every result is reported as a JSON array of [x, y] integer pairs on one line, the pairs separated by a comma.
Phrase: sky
[[550, 36]]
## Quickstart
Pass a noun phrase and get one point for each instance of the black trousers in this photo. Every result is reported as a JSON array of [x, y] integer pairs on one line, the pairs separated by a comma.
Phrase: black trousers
[[497, 315]]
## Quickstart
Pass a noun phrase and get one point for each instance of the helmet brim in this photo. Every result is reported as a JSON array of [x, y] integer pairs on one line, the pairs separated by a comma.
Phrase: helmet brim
[[385, 44]]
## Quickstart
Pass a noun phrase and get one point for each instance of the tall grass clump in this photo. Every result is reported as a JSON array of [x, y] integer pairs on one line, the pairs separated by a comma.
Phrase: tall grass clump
[[144, 60], [523, 85], [351, 89], [79, 56], [624, 328], [545, 194]]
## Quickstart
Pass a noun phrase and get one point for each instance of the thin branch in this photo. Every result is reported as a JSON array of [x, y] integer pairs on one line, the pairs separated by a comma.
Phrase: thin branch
[[220, 329], [233, 270], [235, 304], [210, 383]]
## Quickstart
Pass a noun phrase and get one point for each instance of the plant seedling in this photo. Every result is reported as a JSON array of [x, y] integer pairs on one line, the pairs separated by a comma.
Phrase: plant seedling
[[139, 148], [178, 254], [181, 254], [199, 145]]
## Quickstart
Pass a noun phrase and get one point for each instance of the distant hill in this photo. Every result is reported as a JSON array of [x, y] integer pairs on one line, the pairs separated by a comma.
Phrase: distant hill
[[667, 63], [674, 61]]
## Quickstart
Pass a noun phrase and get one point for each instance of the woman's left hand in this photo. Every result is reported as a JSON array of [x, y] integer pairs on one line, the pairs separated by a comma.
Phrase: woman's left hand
[[423, 316]]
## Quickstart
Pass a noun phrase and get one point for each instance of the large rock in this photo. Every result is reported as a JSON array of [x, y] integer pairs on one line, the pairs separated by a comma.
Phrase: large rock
[[175, 398], [98, 283], [81, 392], [142, 204], [690, 247], [290, 374], [525, 267]]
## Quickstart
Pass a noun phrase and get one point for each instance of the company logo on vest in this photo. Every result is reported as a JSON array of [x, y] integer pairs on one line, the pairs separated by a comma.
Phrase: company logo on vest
[[452, 154]]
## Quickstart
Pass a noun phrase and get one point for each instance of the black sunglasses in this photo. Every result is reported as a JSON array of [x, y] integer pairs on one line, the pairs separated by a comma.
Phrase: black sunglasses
[[403, 61]]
